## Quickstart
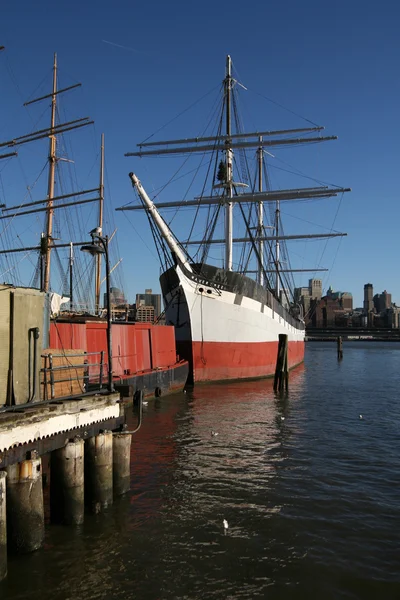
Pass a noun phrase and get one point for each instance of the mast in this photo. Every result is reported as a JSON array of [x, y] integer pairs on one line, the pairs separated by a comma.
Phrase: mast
[[229, 158], [277, 257], [71, 269], [260, 274], [224, 146], [100, 225], [50, 192]]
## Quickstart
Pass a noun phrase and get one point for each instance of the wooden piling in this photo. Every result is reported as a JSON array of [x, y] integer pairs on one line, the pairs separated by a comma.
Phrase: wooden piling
[[99, 472], [3, 526], [122, 463], [339, 348], [25, 514], [67, 484], [281, 379]]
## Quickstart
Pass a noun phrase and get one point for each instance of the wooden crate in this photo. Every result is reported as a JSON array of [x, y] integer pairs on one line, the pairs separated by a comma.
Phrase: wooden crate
[[74, 374]]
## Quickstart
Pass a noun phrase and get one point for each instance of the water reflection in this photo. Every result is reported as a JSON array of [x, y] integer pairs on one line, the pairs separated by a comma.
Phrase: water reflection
[[308, 489]]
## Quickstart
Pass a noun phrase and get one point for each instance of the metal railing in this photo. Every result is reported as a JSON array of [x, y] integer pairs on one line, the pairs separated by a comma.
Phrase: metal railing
[[64, 375]]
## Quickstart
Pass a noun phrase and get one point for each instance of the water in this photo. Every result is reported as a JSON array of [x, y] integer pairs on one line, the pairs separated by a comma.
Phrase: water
[[310, 492]]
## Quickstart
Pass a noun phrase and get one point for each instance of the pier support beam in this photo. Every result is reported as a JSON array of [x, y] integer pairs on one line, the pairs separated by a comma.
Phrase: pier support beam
[[3, 526], [122, 463], [339, 343], [99, 471], [67, 484], [25, 515]]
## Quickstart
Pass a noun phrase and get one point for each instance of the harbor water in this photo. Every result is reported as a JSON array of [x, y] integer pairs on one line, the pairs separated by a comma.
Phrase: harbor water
[[308, 484]]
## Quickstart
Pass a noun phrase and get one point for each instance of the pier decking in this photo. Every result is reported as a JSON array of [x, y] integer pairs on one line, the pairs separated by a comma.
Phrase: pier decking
[[45, 426]]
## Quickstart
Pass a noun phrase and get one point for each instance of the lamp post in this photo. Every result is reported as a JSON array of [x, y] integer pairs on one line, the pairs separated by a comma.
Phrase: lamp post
[[100, 246]]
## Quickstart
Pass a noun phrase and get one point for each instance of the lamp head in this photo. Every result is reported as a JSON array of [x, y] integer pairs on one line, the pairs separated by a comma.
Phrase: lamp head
[[93, 249]]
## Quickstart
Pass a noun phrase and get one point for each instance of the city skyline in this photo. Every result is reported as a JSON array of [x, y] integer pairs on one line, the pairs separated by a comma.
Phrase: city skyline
[[373, 298]]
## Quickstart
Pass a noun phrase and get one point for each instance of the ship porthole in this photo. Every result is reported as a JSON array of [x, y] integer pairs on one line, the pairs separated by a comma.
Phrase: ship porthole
[[157, 392], [201, 290], [209, 291]]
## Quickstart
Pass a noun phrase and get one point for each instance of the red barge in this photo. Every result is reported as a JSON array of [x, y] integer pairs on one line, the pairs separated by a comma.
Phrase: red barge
[[144, 355]]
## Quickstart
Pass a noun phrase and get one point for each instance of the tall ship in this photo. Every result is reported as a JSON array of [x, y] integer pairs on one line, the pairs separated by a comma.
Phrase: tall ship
[[228, 316]]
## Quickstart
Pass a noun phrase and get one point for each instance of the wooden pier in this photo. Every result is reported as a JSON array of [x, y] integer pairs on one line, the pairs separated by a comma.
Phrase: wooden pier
[[87, 469]]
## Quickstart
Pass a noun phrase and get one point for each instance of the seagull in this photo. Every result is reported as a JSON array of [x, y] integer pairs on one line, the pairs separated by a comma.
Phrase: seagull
[[282, 418], [145, 403], [361, 416], [225, 524], [214, 432]]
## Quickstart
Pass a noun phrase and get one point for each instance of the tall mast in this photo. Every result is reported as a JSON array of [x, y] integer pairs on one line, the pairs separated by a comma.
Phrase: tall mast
[[50, 189], [260, 274], [100, 224], [229, 159], [71, 280], [277, 257]]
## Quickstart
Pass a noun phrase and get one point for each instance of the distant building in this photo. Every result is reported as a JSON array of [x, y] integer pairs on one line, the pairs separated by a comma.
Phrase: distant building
[[149, 299], [301, 296], [393, 317], [145, 314], [117, 297], [382, 301], [301, 292], [315, 288], [333, 310], [368, 298]]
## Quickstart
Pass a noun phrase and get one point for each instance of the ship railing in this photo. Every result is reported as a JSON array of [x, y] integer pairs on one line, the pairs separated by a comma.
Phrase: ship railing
[[70, 374]]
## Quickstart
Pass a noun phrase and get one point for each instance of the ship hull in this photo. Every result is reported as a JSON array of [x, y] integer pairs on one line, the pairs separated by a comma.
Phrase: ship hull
[[227, 326], [221, 361]]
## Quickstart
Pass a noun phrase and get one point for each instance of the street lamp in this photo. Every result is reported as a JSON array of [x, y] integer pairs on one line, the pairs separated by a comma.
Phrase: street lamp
[[99, 245]]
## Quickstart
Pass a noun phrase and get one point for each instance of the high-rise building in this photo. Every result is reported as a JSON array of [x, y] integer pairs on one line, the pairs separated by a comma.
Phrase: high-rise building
[[150, 299], [382, 301], [315, 288], [386, 300], [368, 298]]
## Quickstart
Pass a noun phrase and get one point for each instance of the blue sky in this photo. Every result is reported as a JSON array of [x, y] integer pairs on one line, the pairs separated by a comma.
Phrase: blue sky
[[334, 63]]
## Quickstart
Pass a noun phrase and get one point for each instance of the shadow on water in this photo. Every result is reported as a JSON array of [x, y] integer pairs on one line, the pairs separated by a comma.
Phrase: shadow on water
[[309, 491]]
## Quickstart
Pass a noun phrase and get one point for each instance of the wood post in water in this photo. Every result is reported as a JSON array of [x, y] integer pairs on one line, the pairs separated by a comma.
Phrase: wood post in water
[[122, 463], [281, 379], [3, 526], [67, 484], [25, 514], [339, 348], [99, 471]]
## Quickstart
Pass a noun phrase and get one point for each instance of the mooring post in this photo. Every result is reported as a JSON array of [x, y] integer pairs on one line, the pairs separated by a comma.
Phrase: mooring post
[[99, 471], [281, 378], [25, 514], [339, 347], [285, 364], [67, 484], [122, 463], [3, 526]]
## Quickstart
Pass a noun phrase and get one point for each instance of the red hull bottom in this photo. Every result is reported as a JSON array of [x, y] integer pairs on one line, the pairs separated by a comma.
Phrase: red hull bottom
[[219, 361]]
